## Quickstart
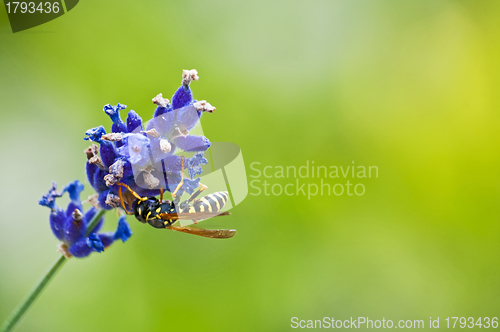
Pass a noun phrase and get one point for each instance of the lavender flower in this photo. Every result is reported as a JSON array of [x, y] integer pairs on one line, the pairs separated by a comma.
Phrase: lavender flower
[[144, 158], [70, 225]]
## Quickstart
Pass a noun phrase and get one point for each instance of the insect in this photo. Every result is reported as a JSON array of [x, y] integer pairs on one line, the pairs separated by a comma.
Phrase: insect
[[164, 214]]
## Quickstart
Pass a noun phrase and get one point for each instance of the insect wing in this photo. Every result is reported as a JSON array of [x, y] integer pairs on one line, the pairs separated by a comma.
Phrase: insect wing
[[210, 233], [192, 216]]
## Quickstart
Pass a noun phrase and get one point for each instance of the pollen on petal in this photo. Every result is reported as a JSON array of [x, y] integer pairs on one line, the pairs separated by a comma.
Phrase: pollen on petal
[[151, 132], [103, 200], [74, 228], [112, 200], [116, 172], [149, 179], [112, 137], [96, 160], [77, 215], [165, 146], [93, 158], [92, 151], [204, 106], [160, 101], [188, 76], [94, 201], [63, 249]]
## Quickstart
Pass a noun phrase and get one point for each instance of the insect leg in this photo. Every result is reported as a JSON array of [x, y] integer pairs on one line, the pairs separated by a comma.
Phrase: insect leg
[[133, 192], [196, 194], [182, 178], [184, 206], [123, 203]]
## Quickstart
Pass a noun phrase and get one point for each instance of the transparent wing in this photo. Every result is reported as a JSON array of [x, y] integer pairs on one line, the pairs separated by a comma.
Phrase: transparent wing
[[192, 216]]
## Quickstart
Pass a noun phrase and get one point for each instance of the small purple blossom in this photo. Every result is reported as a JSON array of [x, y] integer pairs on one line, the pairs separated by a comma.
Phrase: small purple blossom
[[95, 134], [194, 164], [70, 225], [114, 113]]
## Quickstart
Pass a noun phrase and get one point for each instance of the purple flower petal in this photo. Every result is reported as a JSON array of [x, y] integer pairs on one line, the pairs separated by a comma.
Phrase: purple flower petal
[[80, 248], [192, 143], [91, 169], [188, 117], [114, 113], [106, 238], [108, 153], [173, 164], [136, 149], [57, 219], [95, 134], [190, 185], [123, 232], [95, 242], [74, 229], [99, 182], [134, 122], [182, 97], [164, 124], [194, 164], [162, 110], [49, 199]]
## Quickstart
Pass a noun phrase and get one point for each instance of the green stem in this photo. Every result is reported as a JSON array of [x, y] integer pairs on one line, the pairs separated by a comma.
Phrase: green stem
[[93, 223], [19, 312]]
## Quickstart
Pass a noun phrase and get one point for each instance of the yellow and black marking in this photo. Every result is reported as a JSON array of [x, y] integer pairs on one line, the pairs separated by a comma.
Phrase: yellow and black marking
[[150, 209], [210, 203], [164, 214]]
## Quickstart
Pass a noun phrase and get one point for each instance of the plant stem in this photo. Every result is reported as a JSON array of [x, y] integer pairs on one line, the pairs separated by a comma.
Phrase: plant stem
[[93, 223], [19, 312]]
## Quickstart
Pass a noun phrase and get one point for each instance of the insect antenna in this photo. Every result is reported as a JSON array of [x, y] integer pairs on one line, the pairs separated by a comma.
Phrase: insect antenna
[[179, 186]]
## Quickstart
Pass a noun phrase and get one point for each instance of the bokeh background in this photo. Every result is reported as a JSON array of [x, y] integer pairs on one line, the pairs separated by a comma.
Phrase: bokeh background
[[411, 87]]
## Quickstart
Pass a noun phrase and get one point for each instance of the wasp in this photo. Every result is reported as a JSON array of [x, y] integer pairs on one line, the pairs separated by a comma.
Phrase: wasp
[[164, 214]]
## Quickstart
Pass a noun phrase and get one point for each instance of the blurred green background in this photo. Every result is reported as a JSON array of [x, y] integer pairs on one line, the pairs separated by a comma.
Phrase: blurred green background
[[411, 87]]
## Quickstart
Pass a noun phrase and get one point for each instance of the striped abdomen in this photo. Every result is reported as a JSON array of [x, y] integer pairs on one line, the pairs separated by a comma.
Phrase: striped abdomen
[[210, 203]]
